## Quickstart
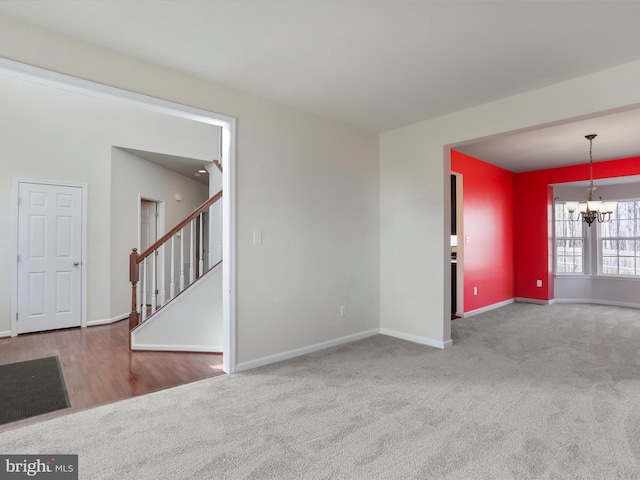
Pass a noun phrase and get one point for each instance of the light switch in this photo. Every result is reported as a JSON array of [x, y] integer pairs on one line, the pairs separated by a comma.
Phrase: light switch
[[257, 237]]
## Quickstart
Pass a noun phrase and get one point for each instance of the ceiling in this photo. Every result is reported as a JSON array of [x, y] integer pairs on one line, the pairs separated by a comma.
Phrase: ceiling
[[561, 145], [378, 64], [182, 165]]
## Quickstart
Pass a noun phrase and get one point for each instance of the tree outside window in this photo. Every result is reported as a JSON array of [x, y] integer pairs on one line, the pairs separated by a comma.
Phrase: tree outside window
[[569, 240], [619, 252]]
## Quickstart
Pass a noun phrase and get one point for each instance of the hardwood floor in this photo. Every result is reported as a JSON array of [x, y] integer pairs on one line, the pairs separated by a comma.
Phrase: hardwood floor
[[99, 368]]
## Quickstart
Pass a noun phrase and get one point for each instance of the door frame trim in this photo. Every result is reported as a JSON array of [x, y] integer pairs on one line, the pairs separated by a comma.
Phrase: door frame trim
[[160, 219], [14, 245]]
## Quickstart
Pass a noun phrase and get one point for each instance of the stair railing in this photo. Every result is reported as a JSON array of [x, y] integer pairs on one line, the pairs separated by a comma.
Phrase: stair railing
[[150, 270]]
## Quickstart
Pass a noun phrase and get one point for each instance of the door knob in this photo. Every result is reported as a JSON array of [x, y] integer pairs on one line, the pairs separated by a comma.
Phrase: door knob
[[75, 264]]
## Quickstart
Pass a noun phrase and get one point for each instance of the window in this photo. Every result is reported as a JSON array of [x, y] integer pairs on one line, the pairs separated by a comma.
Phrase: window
[[619, 247], [569, 240]]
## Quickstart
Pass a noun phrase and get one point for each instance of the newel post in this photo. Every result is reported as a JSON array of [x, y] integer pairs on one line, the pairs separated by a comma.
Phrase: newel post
[[134, 275]]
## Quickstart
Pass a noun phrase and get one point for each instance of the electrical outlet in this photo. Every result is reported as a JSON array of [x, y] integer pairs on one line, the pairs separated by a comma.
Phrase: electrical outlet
[[538, 283], [257, 237], [475, 290], [343, 310]]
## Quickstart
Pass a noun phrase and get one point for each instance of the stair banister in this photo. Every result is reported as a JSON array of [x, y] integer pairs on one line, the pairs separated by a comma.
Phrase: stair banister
[[135, 259], [184, 222]]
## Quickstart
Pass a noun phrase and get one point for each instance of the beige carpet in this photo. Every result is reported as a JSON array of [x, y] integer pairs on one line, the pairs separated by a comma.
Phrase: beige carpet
[[526, 392]]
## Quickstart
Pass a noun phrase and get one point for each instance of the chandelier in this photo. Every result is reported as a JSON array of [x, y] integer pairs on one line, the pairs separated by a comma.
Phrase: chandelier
[[591, 210]]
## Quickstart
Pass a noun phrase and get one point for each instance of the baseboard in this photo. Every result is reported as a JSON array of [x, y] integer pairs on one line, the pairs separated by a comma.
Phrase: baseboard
[[493, 306], [106, 321], [533, 300], [259, 362], [416, 339], [178, 348], [597, 302], [5, 334]]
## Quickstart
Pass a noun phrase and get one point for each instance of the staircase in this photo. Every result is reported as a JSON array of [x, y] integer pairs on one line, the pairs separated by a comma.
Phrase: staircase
[[166, 270]]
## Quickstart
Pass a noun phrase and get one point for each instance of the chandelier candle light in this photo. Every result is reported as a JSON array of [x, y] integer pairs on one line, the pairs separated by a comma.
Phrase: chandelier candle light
[[591, 209]]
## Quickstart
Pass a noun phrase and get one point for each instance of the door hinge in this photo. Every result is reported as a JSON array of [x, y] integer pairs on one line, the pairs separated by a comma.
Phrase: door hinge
[[157, 214], [16, 316], [19, 200], [157, 292], [18, 257]]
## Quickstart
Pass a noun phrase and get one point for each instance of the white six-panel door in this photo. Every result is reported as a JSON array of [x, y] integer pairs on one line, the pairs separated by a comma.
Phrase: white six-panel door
[[49, 257]]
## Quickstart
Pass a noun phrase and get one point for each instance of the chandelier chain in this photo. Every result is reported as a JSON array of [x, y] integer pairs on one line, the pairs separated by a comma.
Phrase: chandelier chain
[[591, 210]]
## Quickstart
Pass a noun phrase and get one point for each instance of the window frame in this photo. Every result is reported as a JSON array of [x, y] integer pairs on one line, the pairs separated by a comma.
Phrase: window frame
[[600, 239], [557, 239]]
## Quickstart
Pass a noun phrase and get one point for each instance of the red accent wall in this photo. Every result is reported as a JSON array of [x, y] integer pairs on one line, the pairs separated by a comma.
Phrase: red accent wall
[[488, 193], [510, 250], [533, 220]]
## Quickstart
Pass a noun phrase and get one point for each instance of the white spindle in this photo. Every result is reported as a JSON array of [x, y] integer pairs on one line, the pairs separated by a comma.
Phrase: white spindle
[[201, 253], [154, 271], [219, 202], [163, 278], [210, 246], [181, 259], [143, 307], [172, 282], [192, 243]]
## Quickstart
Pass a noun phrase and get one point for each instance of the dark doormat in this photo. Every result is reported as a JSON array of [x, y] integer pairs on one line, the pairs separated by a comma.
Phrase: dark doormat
[[31, 388]]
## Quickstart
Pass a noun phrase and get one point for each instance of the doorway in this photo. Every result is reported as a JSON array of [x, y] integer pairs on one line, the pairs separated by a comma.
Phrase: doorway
[[49, 244], [457, 247], [151, 215], [227, 125]]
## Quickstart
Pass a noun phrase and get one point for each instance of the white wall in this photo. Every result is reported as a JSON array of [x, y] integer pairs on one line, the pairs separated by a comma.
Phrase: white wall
[[192, 324], [56, 135], [308, 183], [603, 290], [132, 176], [414, 189], [592, 288]]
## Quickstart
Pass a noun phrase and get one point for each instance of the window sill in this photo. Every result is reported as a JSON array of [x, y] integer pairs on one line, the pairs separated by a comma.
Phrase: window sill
[[582, 276]]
